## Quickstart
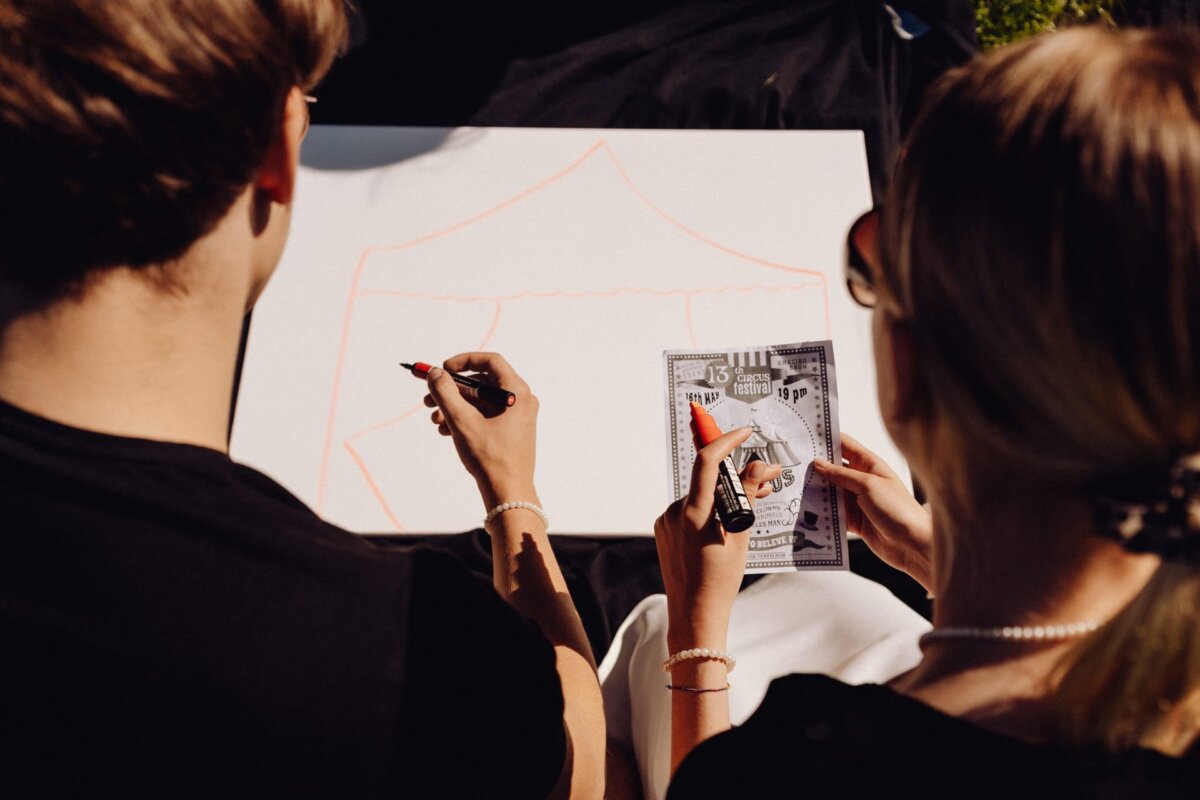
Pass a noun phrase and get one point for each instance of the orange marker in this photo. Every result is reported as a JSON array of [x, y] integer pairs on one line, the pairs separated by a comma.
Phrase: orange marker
[[733, 506]]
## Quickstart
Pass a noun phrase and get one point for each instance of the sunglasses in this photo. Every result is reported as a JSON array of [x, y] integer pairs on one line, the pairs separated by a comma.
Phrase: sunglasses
[[862, 250]]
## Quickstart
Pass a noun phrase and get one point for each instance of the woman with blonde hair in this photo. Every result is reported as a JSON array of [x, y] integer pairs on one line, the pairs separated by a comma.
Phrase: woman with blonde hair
[[1034, 276]]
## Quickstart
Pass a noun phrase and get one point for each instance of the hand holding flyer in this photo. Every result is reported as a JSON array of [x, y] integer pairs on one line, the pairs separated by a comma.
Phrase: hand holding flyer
[[788, 395]]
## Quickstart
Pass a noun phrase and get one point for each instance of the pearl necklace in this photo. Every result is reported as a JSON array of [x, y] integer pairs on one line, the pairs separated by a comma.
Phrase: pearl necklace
[[1012, 633]]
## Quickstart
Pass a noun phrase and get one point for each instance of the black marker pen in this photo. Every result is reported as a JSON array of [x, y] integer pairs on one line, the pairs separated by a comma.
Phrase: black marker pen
[[471, 387]]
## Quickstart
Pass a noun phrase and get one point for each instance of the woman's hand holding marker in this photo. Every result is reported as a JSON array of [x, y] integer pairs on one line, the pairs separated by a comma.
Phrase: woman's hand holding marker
[[496, 443], [733, 505], [496, 448], [702, 565]]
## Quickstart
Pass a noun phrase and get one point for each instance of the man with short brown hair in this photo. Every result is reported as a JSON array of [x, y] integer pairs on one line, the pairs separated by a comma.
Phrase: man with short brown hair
[[172, 623]]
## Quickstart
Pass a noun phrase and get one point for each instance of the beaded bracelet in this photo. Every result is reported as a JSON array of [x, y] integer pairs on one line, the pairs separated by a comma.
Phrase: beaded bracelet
[[500, 509], [700, 652], [696, 690]]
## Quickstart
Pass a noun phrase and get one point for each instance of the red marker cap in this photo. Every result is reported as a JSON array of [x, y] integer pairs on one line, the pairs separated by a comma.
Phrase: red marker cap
[[703, 425]]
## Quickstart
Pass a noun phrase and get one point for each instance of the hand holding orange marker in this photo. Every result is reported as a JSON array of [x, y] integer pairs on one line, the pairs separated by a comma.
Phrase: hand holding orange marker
[[733, 506]]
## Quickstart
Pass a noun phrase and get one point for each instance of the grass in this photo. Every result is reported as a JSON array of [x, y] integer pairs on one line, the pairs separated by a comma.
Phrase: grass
[[998, 22]]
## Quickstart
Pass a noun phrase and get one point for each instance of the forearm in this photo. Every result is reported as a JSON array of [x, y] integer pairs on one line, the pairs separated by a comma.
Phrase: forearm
[[526, 573], [696, 715], [583, 716], [702, 566]]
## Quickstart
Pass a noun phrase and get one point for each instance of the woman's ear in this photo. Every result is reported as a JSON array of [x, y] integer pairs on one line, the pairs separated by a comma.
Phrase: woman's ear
[[277, 175]]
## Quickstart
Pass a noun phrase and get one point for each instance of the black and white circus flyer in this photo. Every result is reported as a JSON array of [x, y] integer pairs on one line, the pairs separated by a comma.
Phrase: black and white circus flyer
[[787, 395]]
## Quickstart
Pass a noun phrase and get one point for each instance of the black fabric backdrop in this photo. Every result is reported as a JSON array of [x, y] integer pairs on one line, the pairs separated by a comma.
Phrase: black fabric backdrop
[[607, 576], [813, 64]]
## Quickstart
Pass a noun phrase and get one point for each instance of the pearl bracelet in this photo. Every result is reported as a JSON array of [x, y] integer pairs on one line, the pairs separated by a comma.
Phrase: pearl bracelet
[[500, 509], [700, 652]]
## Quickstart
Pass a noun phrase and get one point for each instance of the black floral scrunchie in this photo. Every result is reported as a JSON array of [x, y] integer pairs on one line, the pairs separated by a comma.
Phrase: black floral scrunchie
[[1166, 521]]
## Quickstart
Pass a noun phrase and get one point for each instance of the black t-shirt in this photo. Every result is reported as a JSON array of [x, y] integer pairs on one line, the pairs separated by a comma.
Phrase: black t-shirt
[[177, 625], [816, 737]]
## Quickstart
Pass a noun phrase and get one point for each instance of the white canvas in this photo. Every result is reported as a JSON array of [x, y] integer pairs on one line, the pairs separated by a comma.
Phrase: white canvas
[[580, 255]]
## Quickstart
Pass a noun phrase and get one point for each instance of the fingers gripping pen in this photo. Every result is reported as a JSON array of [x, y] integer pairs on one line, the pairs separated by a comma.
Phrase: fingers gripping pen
[[733, 506], [469, 385]]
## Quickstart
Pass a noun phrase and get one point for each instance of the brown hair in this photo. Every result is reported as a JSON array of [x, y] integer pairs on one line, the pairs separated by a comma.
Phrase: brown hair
[[128, 127], [1043, 235]]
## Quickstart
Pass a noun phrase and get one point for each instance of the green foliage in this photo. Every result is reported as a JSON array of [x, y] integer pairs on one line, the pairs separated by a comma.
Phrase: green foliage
[[998, 22]]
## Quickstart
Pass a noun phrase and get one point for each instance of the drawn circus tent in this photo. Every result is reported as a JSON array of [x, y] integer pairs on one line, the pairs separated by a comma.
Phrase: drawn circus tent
[[767, 448]]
